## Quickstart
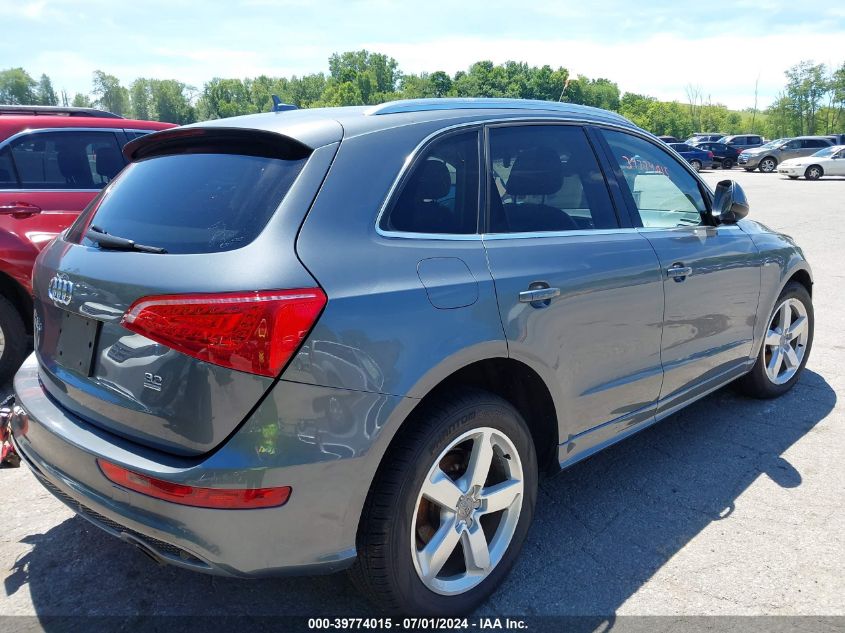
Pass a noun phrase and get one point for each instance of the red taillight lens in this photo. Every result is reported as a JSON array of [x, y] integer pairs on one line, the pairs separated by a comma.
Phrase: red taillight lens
[[256, 332], [709, 154], [221, 498]]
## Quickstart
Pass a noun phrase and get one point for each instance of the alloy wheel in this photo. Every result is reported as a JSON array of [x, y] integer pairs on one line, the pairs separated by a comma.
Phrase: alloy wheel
[[2, 342], [467, 511], [767, 166], [786, 341]]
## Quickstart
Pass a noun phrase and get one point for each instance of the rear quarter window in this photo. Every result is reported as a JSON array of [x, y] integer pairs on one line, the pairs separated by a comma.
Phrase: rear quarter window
[[196, 203]]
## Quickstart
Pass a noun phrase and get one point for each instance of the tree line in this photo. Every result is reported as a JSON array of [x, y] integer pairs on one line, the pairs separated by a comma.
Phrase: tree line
[[812, 101]]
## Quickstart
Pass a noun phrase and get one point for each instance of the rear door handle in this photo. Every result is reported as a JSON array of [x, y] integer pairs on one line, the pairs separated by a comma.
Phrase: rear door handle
[[19, 209], [678, 271], [538, 294]]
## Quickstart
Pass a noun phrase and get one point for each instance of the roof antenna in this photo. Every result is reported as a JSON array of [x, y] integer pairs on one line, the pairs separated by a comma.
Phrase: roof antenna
[[278, 106]]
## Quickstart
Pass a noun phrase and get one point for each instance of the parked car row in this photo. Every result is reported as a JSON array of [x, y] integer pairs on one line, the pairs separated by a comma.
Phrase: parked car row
[[767, 157], [809, 156]]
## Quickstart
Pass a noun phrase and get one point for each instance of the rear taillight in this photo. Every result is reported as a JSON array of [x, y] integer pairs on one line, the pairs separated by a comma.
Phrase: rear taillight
[[221, 498], [709, 154], [255, 332]]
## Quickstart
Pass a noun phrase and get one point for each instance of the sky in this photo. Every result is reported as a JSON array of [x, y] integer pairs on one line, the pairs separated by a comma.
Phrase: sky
[[659, 48]]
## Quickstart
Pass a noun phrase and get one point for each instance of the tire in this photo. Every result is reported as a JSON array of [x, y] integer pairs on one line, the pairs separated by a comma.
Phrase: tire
[[814, 172], [13, 340], [793, 177], [695, 164], [727, 163], [759, 383], [397, 519], [768, 165]]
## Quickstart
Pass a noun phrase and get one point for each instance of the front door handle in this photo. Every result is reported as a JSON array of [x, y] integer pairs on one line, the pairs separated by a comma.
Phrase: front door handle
[[19, 209], [679, 272], [538, 295]]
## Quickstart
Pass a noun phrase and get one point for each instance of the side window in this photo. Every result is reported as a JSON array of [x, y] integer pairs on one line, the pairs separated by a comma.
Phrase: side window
[[8, 180], [665, 193], [440, 195], [754, 140], [817, 143], [546, 178], [793, 145], [67, 160]]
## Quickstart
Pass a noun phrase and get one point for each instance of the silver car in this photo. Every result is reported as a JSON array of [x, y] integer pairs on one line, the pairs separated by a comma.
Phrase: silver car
[[767, 157], [355, 338]]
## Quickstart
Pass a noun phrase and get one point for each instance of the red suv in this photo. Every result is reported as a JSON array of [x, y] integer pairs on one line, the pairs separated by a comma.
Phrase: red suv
[[53, 161]]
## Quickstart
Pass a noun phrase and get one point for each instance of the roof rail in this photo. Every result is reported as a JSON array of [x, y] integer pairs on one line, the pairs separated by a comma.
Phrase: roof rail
[[484, 103], [56, 111]]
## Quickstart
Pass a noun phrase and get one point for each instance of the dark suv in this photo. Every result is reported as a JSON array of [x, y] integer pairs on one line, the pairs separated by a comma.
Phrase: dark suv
[[53, 161], [354, 338], [742, 141]]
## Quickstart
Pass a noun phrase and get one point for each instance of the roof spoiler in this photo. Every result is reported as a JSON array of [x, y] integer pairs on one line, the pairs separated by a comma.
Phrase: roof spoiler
[[215, 140]]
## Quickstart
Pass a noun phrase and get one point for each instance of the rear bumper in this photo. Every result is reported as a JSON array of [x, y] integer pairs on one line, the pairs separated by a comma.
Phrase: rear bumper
[[314, 532]]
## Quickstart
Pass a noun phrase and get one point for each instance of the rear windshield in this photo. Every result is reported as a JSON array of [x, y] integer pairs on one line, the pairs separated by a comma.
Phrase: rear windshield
[[195, 203]]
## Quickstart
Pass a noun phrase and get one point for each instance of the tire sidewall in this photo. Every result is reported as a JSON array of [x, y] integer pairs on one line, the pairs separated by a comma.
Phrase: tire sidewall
[[419, 598], [14, 334]]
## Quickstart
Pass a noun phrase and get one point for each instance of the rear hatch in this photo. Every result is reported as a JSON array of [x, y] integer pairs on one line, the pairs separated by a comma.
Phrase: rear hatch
[[170, 307]]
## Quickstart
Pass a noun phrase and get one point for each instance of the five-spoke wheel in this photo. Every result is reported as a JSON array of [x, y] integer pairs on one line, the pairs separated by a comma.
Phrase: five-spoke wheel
[[450, 507], [467, 511], [786, 341]]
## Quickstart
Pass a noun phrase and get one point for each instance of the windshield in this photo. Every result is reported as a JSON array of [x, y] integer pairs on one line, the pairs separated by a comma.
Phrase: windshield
[[774, 143], [827, 151]]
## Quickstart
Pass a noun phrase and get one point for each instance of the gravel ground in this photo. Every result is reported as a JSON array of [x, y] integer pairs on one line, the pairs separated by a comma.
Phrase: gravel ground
[[730, 507]]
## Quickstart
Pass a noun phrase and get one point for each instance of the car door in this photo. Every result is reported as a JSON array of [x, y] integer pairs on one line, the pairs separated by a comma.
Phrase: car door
[[791, 149], [47, 177], [580, 295], [836, 165], [711, 274]]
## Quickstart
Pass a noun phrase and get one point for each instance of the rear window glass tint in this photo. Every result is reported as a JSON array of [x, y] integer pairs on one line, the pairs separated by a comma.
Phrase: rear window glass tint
[[196, 203], [7, 171]]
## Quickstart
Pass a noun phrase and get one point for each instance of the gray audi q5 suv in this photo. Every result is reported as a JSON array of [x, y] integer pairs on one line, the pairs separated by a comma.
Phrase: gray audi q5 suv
[[312, 340]]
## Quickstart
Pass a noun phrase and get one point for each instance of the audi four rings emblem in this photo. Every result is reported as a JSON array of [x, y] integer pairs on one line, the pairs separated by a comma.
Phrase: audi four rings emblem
[[60, 289]]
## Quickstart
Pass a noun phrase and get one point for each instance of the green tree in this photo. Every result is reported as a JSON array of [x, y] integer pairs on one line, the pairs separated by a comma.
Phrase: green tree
[[374, 74], [44, 93], [223, 98], [17, 87], [806, 86], [109, 94], [81, 101]]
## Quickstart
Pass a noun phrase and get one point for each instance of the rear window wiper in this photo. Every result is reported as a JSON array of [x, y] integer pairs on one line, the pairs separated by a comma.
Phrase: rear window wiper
[[113, 242]]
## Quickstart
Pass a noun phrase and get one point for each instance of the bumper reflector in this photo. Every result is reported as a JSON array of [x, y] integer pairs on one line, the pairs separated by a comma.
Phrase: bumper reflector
[[220, 498]]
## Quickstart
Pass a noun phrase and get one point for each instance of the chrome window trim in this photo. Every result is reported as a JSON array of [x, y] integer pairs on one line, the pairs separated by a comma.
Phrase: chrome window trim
[[50, 190], [44, 130], [496, 121]]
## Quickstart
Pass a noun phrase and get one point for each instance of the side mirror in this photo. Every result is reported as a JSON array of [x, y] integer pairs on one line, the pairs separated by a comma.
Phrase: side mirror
[[730, 204]]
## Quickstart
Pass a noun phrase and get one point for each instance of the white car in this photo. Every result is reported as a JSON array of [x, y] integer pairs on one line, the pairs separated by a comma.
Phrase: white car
[[829, 161]]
